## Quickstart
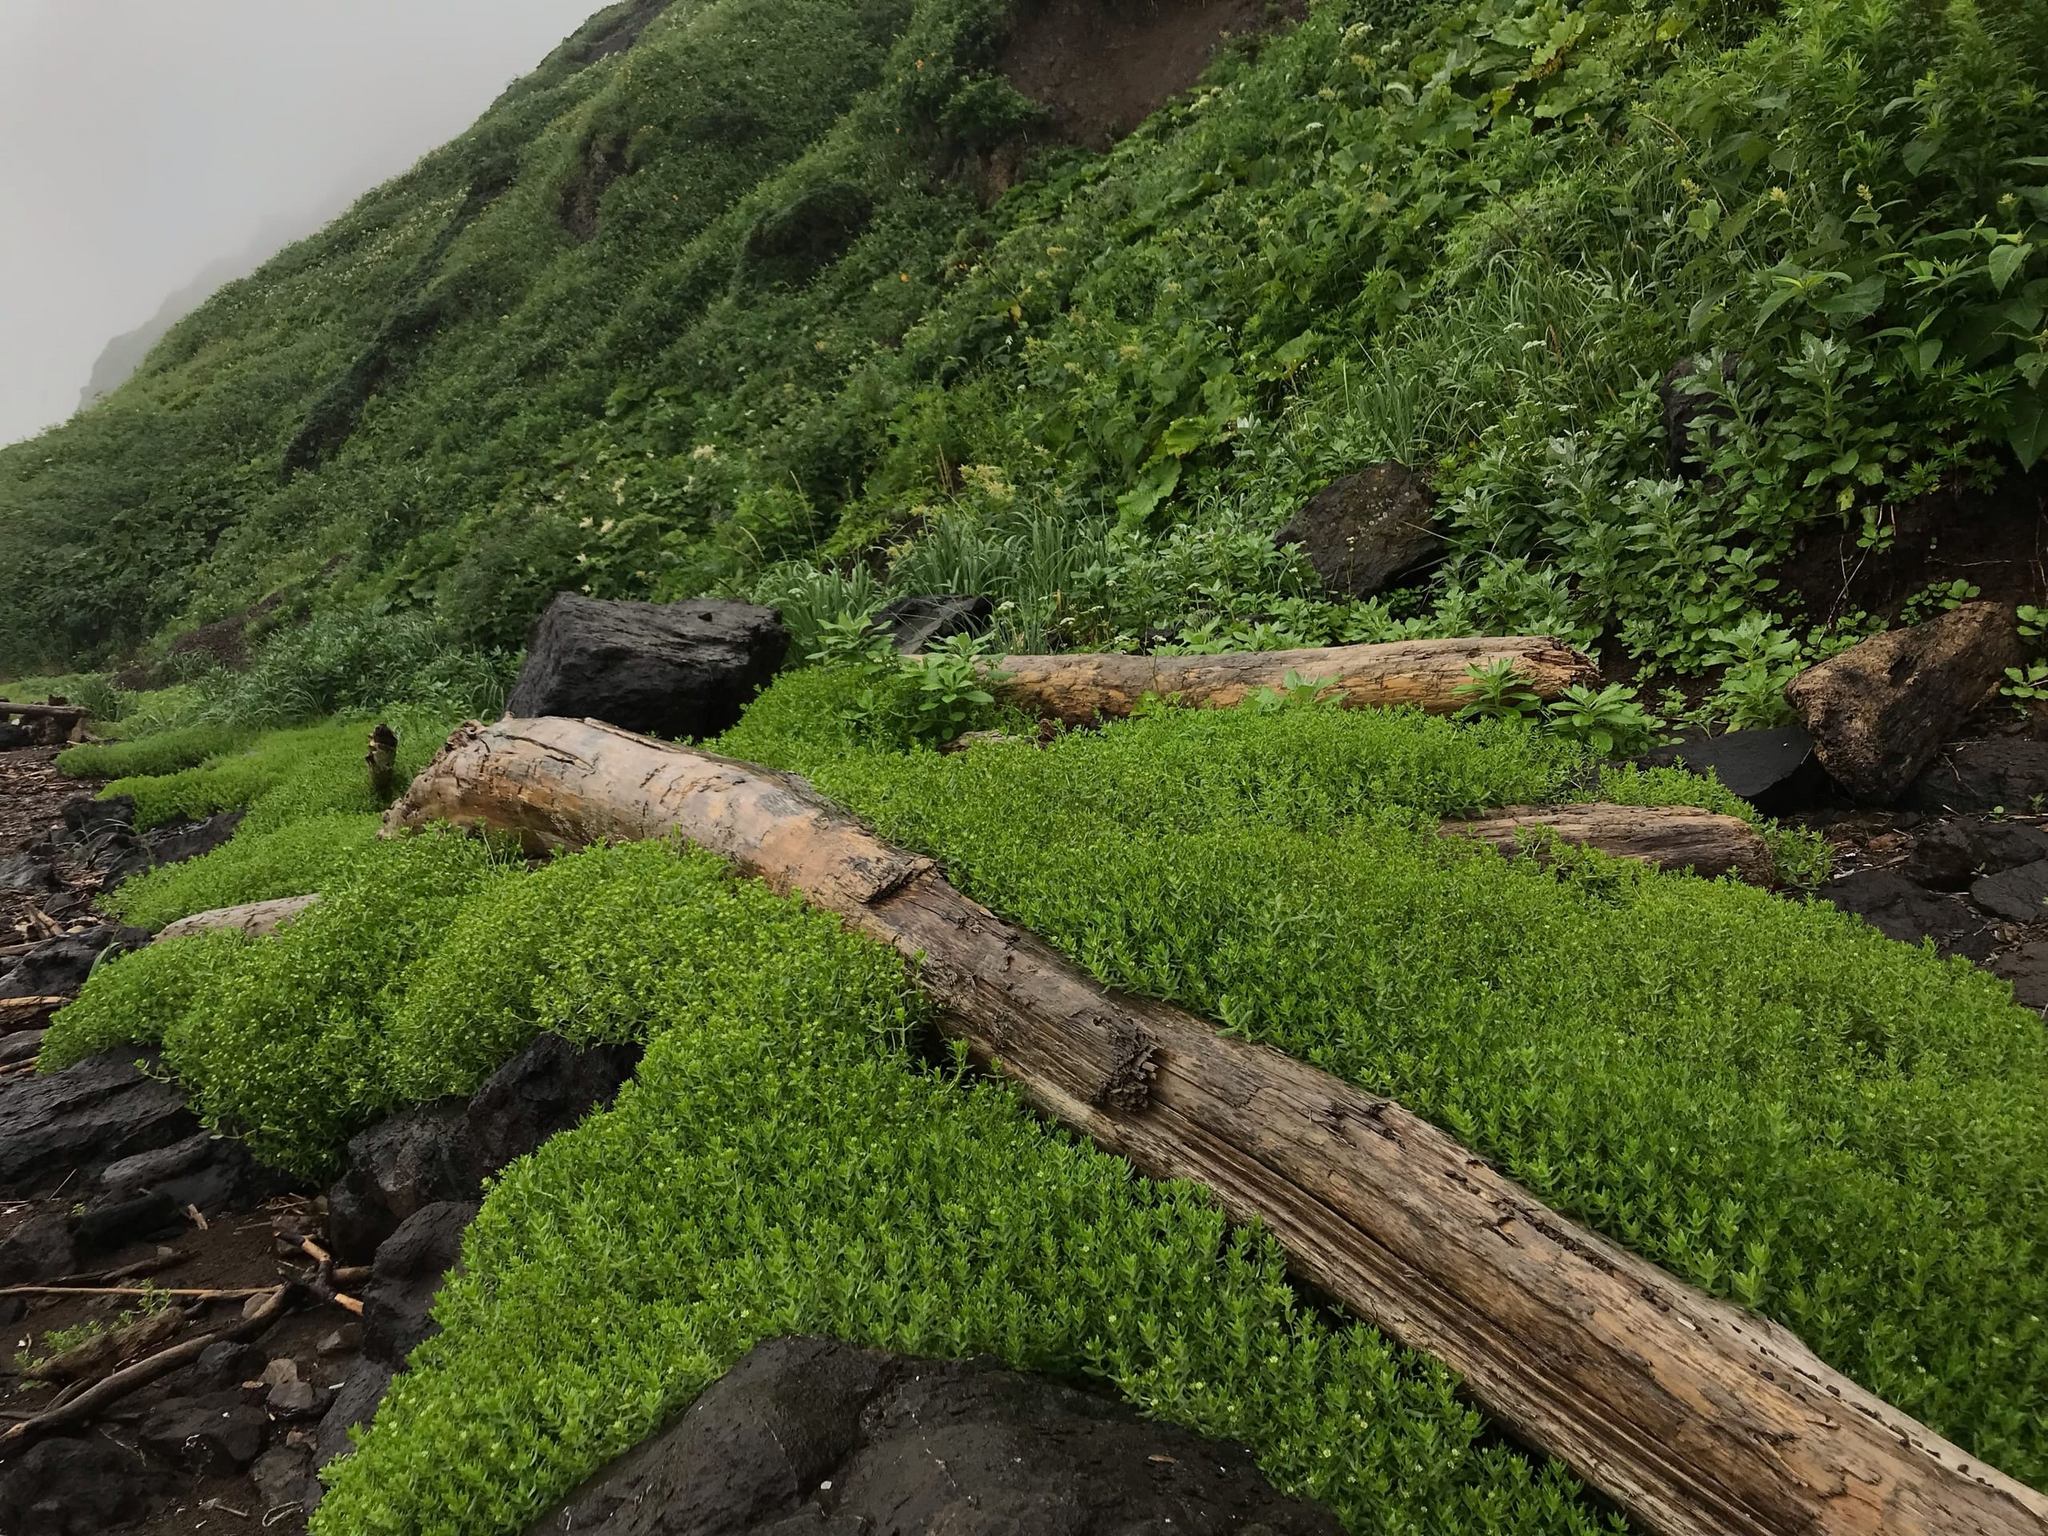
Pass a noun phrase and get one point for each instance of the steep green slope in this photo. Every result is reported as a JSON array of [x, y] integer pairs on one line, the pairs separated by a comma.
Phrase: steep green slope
[[1474, 239]]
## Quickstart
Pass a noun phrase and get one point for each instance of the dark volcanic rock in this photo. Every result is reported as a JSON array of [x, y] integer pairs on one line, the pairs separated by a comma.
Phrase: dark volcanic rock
[[813, 1435], [284, 1476], [1901, 910], [14, 737], [916, 622], [1951, 854], [58, 968], [2018, 895], [1774, 769], [227, 1364], [40, 1249], [107, 1224], [84, 1117], [1364, 531], [667, 669], [445, 1151], [1691, 405], [405, 1276], [174, 845], [355, 1404], [20, 1046], [1880, 711], [217, 1434], [546, 1088], [80, 1487], [2027, 969], [1984, 776]]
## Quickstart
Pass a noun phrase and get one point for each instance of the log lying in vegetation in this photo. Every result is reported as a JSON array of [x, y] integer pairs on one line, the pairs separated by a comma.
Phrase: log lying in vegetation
[[70, 713], [255, 918], [1424, 673], [1699, 1419], [1666, 836]]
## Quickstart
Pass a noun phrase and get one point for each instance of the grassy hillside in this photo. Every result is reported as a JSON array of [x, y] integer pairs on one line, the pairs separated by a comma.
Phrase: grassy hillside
[[722, 311]]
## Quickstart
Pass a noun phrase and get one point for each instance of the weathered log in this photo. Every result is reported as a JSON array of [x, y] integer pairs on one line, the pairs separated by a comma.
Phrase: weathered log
[[1425, 673], [382, 761], [71, 712], [256, 918], [1666, 836], [1698, 1418]]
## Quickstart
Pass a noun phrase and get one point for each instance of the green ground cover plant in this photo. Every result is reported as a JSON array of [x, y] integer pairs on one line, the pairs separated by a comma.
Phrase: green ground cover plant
[[281, 776], [1766, 1096], [780, 1165], [296, 859], [156, 755]]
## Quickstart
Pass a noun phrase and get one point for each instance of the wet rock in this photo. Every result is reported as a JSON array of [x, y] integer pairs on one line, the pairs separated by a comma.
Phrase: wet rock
[[174, 845], [295, 1400], [2018, 895], [354, 1405], [1950, 855], [914, 623], [668, 669], [20, 1046], [1901, 910], [284, 1478], [2027, 969], [822, 1435], [1365, 531], [1991, 775], [85, 1117], [40, 1249], [1774, 770], [81, 1487], [216, 1435], [545, 1089], [146, 1170], [1880, 711], [405, 1277], [14, 737], [58, 968], [444, 1151]]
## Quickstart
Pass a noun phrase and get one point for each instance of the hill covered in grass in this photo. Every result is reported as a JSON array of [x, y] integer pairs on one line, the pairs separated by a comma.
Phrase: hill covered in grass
[[810, 302]]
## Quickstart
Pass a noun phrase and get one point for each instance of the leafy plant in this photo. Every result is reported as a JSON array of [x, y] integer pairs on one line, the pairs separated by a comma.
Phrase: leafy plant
[[1494, 690], [1610, 720]]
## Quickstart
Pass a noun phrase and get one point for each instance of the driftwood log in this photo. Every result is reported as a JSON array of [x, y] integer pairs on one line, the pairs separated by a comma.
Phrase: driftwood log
[[71, 712], [1424, 673], [1698, 1418], [255, 919], [1666, 836]]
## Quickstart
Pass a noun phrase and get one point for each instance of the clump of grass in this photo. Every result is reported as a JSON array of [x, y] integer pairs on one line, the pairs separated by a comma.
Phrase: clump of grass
[[153, 756]]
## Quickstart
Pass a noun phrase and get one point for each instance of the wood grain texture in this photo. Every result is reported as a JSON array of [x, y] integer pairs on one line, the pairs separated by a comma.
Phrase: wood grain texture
[[255, 918], [1427, 674], [1699, 1419], [1666, 836]]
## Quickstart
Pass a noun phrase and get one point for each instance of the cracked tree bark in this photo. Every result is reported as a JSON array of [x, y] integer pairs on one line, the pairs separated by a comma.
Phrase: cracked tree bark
[[1698, 1418]]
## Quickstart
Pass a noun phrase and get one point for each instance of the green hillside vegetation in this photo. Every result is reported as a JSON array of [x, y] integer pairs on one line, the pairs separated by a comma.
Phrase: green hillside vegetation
[[1472, 238]]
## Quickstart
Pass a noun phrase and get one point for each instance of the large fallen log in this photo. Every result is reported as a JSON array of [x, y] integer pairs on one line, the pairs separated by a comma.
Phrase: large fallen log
[[1425, 673], [1699, 1419], [1665, 836], [72, 712]]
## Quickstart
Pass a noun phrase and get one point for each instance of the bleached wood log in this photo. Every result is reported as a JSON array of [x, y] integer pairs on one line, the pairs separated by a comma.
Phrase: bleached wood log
[[1424, 673], [1697, 1418], [1665, 836], [256, 918]]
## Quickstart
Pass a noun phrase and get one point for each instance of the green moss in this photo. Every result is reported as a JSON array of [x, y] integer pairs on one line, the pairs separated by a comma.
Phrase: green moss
[[297, 859]]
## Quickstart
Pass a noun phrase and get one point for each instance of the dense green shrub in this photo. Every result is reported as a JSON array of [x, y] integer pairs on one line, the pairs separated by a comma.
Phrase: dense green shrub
[[779, 1166], [285, 776], [296, 859], [1765, 1096]]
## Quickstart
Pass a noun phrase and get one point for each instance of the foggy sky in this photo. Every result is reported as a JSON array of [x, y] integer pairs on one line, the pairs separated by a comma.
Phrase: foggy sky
[[142, 140]]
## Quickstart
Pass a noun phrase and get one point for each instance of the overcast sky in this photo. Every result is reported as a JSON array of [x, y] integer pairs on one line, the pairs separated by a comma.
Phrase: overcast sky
[[143, 140]]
